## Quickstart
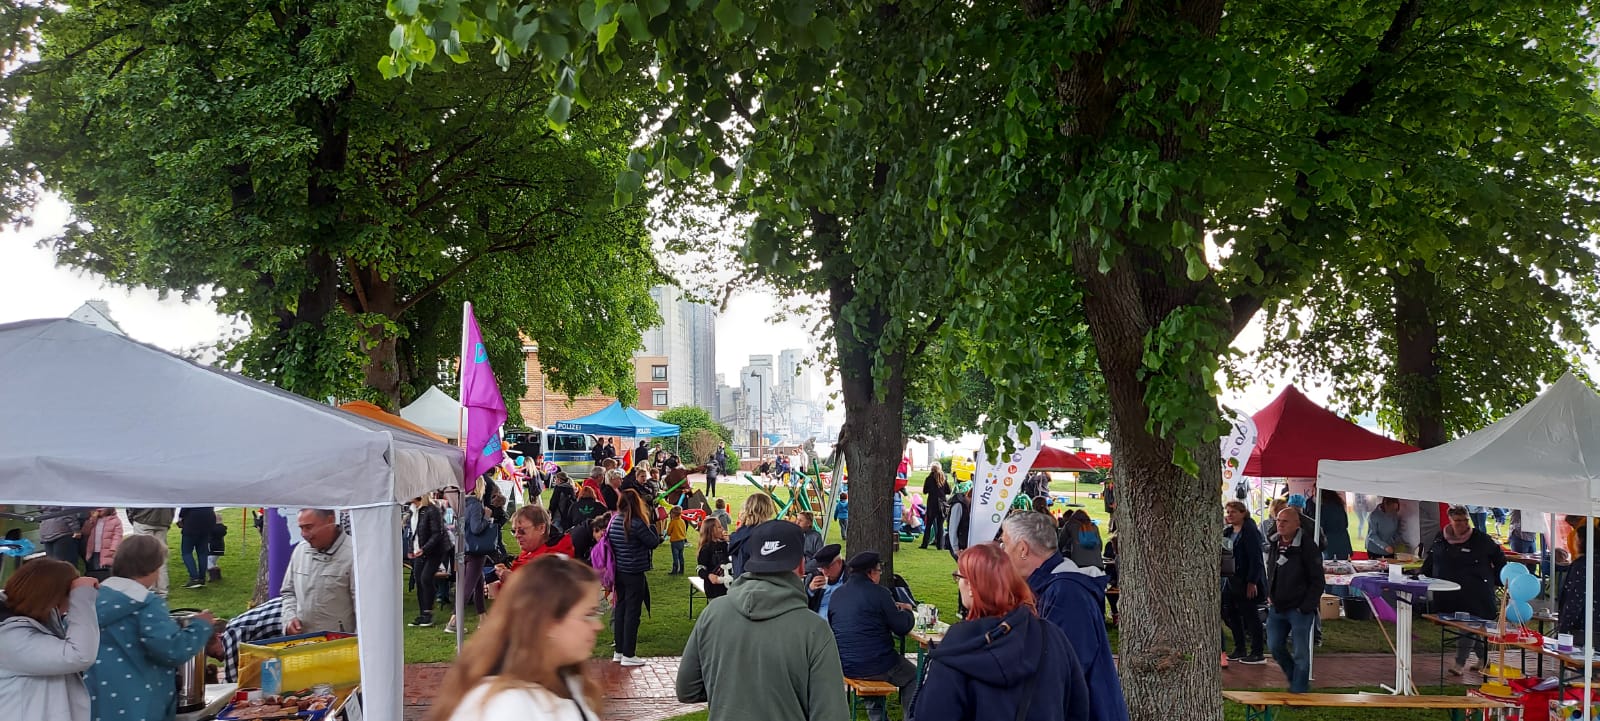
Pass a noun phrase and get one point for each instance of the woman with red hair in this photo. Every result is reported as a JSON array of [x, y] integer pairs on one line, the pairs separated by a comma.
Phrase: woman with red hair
[[1003, 661]]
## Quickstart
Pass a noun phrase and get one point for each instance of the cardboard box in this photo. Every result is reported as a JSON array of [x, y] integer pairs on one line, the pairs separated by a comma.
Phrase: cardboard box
[[1330, 607]]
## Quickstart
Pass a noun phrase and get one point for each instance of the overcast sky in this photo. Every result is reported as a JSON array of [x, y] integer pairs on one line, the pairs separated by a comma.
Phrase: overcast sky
[[33, 286]]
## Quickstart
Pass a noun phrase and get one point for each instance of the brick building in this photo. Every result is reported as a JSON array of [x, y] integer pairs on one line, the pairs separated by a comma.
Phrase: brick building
[[543, 406]]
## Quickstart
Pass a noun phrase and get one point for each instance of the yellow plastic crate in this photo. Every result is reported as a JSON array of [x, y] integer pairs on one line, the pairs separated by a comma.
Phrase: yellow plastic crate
[[307, 660]]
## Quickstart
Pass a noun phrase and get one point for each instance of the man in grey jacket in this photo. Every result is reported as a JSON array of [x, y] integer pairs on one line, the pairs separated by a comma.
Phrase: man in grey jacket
[[319, 587], [759, 652], [153, 522]]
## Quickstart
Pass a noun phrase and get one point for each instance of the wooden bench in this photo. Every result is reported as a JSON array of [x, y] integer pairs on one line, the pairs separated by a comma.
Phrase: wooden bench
[[696, 585], [1260, 705], [859, 689]]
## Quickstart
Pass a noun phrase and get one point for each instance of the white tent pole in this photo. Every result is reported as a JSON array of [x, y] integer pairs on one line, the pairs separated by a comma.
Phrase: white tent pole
[[1588, 615], [379, 609], [1316, 530]]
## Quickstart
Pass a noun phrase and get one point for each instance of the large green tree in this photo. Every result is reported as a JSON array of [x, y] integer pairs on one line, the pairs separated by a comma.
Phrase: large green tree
[[253, 149], [1152, 173]]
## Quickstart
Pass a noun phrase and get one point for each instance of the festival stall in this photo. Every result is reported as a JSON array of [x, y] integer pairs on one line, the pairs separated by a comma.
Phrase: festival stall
[[1545, 457], [92, 418], [616, 420], [436, 411]]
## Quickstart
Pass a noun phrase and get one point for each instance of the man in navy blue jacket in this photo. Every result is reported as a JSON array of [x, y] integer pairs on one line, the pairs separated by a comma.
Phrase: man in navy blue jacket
[[865, 619], [1073, 599]]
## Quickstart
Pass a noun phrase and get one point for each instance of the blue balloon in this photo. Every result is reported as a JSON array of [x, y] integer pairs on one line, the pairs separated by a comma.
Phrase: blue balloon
[[1519, 612], [1523, 588], [1512, 570]]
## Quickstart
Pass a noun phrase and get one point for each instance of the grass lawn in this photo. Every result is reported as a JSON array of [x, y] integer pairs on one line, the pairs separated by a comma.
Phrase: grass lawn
[[666, 628]]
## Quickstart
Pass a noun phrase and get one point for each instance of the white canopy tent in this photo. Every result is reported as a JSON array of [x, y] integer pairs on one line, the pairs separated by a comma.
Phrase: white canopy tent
[[436, 411], [92, 418], [1545, 457]]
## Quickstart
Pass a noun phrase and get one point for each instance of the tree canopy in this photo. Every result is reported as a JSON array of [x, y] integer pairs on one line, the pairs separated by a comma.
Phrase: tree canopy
[[254, 149], [1143, 177]]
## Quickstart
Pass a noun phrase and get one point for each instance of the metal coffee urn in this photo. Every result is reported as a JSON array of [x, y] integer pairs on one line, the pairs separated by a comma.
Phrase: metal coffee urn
[[191, 674]]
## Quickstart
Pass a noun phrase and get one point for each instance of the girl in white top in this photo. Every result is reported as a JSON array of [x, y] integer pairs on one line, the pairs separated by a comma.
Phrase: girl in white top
[[526, 662]]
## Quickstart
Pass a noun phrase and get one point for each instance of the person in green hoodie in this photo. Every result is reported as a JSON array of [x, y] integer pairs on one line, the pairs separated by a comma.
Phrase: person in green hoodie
[[759, 652]]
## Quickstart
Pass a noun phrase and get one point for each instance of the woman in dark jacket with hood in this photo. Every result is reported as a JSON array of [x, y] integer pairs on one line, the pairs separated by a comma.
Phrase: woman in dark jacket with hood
[[1241, 591], [1003, 662], [1471, 558]]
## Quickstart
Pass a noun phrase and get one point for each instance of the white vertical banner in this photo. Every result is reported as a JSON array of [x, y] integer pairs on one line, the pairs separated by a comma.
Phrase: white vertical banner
[[1237, 445], [995, 485]]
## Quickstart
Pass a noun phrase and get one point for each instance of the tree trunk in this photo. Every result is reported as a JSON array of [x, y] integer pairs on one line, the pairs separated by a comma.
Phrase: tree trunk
[[1166, 519], [874, 411], [259, 595], [1417, 391], [378, 300]]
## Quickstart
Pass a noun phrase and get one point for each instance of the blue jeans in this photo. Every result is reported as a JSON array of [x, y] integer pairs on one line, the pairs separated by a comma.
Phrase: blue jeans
[[194, 550], [677, 556], [1296, 665]]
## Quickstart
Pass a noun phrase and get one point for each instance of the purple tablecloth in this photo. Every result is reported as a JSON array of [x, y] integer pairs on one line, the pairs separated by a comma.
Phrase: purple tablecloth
[[1373, 587]]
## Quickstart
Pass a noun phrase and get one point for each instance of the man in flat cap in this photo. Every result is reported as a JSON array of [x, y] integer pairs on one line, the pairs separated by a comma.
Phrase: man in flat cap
[[827, 577], [865, 619], [760, 652]]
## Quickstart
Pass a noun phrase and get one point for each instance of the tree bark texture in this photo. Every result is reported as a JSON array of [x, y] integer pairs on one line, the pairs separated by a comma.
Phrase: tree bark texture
[[873, 434], [1166, 519], [1417, 391]]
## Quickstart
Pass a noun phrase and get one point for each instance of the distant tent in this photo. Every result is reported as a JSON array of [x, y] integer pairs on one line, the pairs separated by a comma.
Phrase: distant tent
[[1055, 459], [1293, 434], [615, 420], [435, 411]]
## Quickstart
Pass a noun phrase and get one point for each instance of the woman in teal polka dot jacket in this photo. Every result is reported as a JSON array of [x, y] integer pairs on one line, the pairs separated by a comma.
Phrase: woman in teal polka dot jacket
[[140, 644]]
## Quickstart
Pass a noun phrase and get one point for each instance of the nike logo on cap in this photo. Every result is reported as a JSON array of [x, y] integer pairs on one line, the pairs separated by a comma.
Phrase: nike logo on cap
[[771, 547]]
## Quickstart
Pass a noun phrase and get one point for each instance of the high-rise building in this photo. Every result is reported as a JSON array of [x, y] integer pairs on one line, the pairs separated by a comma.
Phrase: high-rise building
[[794, 376], [678, 363]]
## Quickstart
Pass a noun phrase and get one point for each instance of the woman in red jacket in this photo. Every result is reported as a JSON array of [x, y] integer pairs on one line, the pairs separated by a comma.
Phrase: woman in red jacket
[[531, 526]]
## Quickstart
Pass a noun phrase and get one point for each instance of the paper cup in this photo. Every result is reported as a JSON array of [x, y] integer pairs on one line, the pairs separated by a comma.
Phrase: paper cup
[[1395, 573]]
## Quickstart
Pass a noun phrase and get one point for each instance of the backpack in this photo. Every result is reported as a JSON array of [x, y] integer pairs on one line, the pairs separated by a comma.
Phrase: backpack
[[478, 530], [601, 558]]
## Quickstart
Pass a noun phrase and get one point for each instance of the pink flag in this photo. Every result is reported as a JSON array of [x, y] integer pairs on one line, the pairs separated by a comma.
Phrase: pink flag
[[480, 396]]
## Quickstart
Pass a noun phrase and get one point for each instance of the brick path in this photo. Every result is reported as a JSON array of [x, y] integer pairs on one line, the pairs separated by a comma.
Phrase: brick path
[[646, 693], [643, 693]]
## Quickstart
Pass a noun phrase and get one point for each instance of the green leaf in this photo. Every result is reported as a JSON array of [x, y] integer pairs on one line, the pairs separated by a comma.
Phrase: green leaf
[[1297, 96], [397, 38], [553, 46], [824, 32], [799, 12], [729, 16], [1194, 266], [629, 181], [630, 17], [653, 8], [386, 67], [604, 34], [559, 112]]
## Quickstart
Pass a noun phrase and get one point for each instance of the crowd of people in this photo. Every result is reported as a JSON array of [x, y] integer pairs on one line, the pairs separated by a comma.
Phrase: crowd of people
[[98, 641]]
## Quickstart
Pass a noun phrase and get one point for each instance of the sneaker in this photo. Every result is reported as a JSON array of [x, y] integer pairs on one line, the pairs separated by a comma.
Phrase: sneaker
[[632, 661], [1254, 659], [1224, 660], [195, 583], [616, 658], [1237, 655], [422, 621]]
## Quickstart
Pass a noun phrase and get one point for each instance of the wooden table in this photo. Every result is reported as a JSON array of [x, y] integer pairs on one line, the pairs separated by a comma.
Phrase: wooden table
[[926, 639], [1568, 667], [1260, 705]]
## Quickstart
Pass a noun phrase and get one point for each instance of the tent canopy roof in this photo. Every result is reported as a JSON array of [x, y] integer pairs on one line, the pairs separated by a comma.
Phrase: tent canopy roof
[[615, 420], [1544, 457], [1055, 459], [1293, 434], [92, 418], [436, 411]]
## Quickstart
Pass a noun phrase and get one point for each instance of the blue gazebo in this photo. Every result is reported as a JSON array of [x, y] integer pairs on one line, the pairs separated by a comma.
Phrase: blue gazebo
[[615, 420]]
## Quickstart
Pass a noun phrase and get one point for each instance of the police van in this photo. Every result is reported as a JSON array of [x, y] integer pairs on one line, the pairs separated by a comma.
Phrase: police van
[[566, 449]]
